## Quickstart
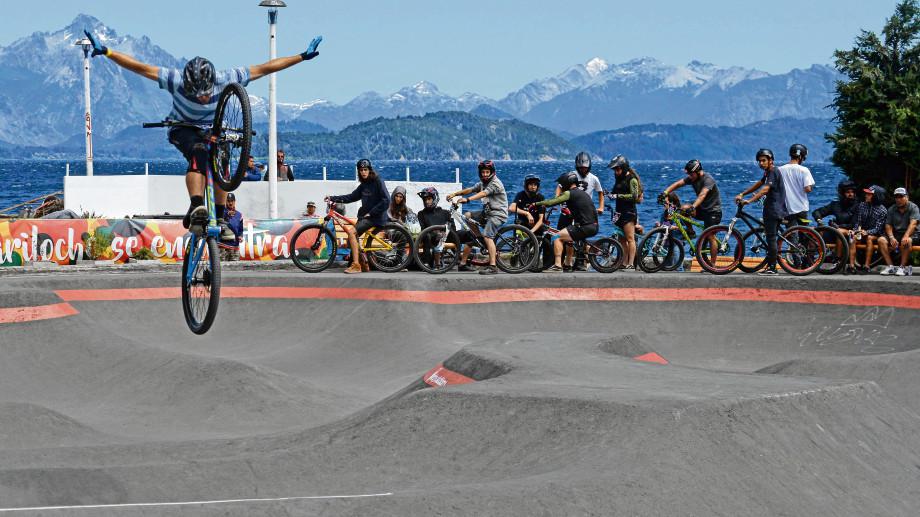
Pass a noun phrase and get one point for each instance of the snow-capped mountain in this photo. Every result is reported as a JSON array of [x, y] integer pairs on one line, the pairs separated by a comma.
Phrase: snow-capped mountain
[[539, 91]]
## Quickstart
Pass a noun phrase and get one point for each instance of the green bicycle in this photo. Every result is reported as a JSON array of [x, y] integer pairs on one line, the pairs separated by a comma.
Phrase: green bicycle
[[662, 249]]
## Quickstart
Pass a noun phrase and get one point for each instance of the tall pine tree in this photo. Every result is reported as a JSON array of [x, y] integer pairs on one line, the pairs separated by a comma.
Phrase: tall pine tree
[[878, 106]]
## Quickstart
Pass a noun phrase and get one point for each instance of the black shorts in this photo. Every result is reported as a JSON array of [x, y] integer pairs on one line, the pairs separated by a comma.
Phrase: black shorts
[[709, 218], [364, 224], [914, 240], [580, 233], [193, 146], [626, 218]]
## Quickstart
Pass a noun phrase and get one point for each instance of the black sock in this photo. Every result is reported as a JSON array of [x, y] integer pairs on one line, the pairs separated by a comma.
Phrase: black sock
[[220, 211], [197, 201]]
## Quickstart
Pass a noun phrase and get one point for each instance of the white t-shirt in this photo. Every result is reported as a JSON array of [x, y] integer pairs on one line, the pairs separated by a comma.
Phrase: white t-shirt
[[591, 184], [795, 179]]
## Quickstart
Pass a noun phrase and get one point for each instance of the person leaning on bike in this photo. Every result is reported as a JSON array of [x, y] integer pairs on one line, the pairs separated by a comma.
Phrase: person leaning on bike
[[774, 207], [582, 212], [195, 90], [375, 199], [494, 210], [707, 207]]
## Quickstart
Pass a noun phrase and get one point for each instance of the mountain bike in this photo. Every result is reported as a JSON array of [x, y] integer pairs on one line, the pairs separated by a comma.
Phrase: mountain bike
[[314, 246], [662, 249], [800, 249], [438, 247], [605, 254], [833, 262], [229, 140]]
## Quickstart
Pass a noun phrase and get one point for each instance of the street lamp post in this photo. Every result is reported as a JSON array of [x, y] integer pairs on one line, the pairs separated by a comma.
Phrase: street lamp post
[[87, 114], [272, 6]]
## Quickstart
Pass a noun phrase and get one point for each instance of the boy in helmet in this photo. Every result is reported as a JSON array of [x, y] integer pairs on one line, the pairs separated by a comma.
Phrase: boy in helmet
[[494, 210], [195, 91], [530, 215], [774, 207], [798, 182], [583, 216], [432, 215], [589, 183]]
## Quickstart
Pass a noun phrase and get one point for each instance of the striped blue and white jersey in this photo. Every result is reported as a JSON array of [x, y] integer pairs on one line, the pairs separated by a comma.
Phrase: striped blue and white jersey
[[189, 109]]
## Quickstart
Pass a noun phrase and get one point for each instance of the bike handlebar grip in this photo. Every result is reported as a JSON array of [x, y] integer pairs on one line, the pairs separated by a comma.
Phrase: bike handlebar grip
[[147, 125]]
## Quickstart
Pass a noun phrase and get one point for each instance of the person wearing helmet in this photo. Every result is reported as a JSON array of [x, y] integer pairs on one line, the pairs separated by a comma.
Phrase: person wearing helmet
[[627, 191], [195, 90], [798, 183], [707, 207], [869, 218], [493, 215], [774, 207], [583, 216], [375, 199], [529, 215], [590, 183], [432, 215]]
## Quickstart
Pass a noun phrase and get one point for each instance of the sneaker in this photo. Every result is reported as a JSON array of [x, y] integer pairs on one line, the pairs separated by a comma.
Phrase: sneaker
[[465, 268], [488, 270], [862, 270], [580, 268], [553, 269], [768, 272], [849, 270], [630, 266], [198, 221], [900, 272], [353, 268], [889, 270], [226, 234]]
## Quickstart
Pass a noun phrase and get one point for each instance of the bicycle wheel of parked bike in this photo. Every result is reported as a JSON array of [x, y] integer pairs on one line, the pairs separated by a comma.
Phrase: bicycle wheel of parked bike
[[606, 256], [836, 251], [232, 131], [676, 259], [516, 248], [200, 283], [801, 250], [755, 251], [432, 261], [654, 250], [313, 248], [724, 257], [394, 252]]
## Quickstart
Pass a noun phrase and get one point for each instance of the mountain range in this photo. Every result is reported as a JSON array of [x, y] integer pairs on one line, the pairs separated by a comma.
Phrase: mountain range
[[41, 95]]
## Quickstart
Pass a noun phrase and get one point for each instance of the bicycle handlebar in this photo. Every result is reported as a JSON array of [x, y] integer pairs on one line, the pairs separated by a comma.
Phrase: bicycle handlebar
[[171, 123]]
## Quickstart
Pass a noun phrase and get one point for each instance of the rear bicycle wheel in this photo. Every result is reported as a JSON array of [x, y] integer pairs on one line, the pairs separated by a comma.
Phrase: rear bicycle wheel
[[754, 249], [836, 251], [605, 255], [801, 251], [654, 250], [724, 257], [429, 258], [516, 248], [394, 252], [200, 283], [232, 133], [313, 248], [676, 259]]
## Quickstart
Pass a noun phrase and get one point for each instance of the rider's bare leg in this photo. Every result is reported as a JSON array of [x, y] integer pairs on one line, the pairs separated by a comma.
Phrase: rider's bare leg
[[353, 244], [490, 245], [559, 245], [465, 254]]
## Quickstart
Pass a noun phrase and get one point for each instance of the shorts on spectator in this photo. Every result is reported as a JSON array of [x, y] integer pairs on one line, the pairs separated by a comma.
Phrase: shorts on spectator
[[626, 218]]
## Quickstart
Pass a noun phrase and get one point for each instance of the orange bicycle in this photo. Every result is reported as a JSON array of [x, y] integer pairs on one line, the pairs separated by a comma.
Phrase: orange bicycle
[[314, 247]]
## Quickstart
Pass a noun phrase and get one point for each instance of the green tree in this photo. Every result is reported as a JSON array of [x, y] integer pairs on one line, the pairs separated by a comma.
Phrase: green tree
[[878, 105]]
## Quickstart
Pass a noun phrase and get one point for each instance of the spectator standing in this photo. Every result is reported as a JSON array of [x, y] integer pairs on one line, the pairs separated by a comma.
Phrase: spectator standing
[[253, 171], [798, 182], [285, 171]]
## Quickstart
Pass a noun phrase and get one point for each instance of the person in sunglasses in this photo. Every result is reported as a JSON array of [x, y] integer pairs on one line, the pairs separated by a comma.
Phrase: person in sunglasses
[[494, 211], [707, 207]]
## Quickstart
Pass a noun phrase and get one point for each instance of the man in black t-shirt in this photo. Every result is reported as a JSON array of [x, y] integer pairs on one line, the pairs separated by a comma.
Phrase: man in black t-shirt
[[707, 207], [532, 216], [774, 206], [432, 215]]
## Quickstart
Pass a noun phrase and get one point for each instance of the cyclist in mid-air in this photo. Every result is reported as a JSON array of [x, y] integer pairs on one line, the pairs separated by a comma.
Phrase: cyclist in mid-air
[[195, 90], [581, 210]]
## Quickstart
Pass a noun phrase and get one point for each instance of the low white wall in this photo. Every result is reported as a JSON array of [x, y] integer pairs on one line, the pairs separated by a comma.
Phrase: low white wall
[[120, 196]]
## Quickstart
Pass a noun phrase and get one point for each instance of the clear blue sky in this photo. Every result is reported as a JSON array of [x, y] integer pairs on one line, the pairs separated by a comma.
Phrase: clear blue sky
[[489, 47]]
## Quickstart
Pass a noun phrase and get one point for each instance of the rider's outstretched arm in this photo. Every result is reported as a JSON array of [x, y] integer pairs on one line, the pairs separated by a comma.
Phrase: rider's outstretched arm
[[278, 64], [123, 60], [562, 198]]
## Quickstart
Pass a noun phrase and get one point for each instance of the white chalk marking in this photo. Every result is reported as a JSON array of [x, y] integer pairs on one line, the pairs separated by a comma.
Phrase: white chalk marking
[[191, 503]]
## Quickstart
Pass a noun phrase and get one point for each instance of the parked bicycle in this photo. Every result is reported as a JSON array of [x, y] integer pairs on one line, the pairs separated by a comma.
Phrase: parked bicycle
[[605, 254], [314, 247], [229, 139], [437, 248], [721, 249], [662, 249]]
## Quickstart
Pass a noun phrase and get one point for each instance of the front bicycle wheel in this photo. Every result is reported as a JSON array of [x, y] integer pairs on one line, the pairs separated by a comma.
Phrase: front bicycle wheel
[[800, 251], [200, 283], [719, 250], [391, 250], [654, 250], [605, 254], [516, 248], [676, 258], [313, 248], [836, 251], [755, 248], [232, 134], [433, 256]]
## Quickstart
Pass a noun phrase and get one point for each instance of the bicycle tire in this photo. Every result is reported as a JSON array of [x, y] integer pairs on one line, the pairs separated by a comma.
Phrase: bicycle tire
[[653, 250], [611, 252], [675, 261], [801, 250], [754, 248], [398, 257], [731, 250], [201, 296], [834, 262], [308, 244], [516, 247], [233, 113], [450, 255]]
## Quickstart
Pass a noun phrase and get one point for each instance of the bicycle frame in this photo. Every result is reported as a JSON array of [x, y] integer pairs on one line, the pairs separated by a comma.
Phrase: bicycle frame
[[678, 220], [585, 245], [213, 230], [337, 220]]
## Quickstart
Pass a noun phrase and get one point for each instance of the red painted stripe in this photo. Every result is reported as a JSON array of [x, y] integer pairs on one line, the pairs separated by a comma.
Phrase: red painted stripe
[[651, 357], [35, 313], [519, 295], [440, 376]]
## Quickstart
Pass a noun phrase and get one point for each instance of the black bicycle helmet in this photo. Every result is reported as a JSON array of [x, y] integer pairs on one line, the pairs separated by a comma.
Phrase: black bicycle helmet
[[846, 185], [583, 159], [429, 192], [486, 165], [531, 178], [363, 163], [798, 151], [198, 77], [618, 162], [567, 179], [693, 166], [764, 152]]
